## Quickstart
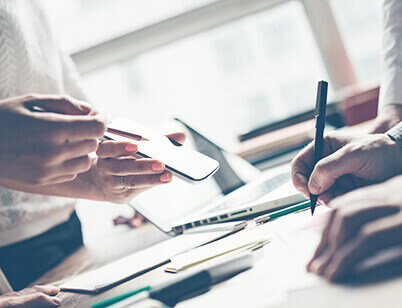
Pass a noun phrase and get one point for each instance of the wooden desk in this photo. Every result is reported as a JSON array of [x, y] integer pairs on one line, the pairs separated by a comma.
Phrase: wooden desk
[[385, 293]]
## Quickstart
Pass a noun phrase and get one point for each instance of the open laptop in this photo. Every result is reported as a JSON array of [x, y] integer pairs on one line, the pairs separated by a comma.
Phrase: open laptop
[[238, 190]]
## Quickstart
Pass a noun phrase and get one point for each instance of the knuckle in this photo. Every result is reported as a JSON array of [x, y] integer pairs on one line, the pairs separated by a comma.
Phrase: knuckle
[[86, 163], [132, 181], [39, 296], [320, 168], [98, 126], [92, 146], [141, 168]]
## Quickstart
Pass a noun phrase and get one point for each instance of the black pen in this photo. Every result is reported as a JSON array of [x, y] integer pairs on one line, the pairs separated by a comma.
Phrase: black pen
[[320, 111]]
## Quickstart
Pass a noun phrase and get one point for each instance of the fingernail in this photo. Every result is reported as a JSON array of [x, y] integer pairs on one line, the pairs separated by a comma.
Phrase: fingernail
[[157, 166], [165, 177], [314, 187], [86, 107], [132, 148], [57, 301]]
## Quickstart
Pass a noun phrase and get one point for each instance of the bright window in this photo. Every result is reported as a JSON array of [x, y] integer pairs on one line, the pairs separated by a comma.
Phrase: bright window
[[360, 26], [228, 80], [83, 23]]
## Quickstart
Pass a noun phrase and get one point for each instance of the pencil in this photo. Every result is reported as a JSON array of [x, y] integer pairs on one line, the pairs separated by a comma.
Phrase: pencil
[[288, 210], [320, 112], [126, 134]]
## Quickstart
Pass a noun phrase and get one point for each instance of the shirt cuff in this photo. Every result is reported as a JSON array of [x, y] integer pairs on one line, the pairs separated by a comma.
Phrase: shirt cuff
[[396, 133]]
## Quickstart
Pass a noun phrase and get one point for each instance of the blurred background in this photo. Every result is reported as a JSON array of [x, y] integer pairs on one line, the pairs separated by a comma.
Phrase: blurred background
[[226, 66], [229, 67]]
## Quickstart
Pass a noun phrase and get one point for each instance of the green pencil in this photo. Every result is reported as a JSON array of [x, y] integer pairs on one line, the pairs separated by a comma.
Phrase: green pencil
[[118, 298], [291, 209]]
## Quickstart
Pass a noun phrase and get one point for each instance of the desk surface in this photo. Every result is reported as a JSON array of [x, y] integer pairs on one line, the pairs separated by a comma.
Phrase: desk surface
[[324, 294]]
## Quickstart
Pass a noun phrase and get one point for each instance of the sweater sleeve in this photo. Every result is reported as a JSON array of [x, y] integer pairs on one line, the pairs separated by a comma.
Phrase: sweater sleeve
[[396, 133], [72, 79], [391, 79]]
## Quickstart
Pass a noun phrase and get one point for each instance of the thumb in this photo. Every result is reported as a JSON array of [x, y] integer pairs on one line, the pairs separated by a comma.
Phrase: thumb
[[59, 104], [331, 168]]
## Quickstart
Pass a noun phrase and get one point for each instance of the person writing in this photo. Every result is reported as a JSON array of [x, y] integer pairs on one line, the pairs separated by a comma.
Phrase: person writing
[[367, 216]]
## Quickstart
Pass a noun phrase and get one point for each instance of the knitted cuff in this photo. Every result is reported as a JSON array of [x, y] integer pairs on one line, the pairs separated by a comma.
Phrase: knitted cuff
[[396, 133]]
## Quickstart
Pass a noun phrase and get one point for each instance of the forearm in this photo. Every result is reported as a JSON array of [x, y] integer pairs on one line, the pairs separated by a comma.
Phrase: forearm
[[83, 187]]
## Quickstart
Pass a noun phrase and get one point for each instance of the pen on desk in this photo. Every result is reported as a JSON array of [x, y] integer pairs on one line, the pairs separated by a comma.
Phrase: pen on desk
[[126, 134], [320, 111], [185, 286], [291, 209]]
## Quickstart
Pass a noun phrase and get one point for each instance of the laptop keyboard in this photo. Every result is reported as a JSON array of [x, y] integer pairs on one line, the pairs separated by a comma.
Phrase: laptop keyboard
[[252, 193]]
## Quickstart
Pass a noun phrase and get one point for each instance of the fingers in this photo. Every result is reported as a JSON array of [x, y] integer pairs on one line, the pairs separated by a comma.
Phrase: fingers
[[353, 212], [332, 167], [65, 172], [324, 241], [61, 128], [109, 149], [48, 290], [59, 104], [177, 137], [130, 166], [374, 237], [139, 181], [78, 149], [138, 220], [148, 180], [37, 299], [301, 168], [37, 296]]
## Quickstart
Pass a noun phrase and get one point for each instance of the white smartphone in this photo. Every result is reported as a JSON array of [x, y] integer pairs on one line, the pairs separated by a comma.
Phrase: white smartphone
[[186, 163]]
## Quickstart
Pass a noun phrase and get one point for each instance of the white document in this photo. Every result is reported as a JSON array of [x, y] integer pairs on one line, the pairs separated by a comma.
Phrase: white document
[[136, 264]]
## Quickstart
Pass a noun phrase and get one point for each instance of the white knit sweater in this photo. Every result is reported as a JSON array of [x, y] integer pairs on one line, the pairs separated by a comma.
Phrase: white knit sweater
[[31, 62]]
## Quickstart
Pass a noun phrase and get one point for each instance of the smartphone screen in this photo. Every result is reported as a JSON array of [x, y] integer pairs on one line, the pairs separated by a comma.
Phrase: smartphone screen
[[184, 162]]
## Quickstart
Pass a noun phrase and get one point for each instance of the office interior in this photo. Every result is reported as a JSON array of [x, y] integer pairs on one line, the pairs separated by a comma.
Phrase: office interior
[[226, 67], [242, 72]]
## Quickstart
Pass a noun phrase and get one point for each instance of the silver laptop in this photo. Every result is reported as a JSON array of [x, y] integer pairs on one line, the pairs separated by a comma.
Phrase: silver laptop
[[237, 191]]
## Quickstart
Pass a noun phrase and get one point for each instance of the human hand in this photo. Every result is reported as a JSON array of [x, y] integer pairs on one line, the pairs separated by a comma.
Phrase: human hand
[[46, 139], [120, 174], [363, 223], [37, 296], [387, 117], [135, 221], [349, 162]]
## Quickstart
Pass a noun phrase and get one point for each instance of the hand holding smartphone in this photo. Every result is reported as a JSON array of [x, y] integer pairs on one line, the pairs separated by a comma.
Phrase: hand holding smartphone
[[186, 163]]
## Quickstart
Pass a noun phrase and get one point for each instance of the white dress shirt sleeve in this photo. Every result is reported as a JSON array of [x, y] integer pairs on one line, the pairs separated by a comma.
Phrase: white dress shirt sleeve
[[391, 79]]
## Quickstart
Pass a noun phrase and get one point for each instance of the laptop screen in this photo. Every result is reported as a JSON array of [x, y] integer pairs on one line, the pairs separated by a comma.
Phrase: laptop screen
[[162, 205]]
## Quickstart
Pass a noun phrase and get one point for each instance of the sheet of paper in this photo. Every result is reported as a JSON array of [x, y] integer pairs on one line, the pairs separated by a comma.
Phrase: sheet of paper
[[106, 276], [242, 241], [281, 271]]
